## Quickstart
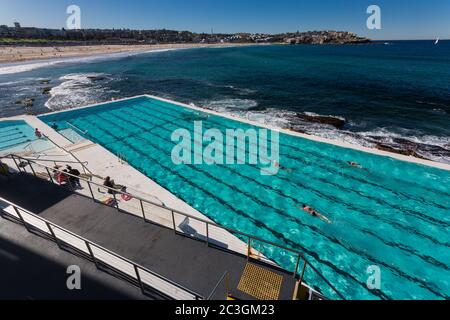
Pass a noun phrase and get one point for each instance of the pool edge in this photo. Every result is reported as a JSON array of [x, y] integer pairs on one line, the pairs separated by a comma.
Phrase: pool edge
[[342, 144]]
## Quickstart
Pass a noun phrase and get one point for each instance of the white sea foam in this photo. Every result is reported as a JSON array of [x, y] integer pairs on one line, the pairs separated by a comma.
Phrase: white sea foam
[[78, 89], [231, 104], [288, 119], [11, 68], [24, 67]]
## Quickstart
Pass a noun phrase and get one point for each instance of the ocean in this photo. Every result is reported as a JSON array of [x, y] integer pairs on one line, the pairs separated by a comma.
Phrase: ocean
[[393, 95]]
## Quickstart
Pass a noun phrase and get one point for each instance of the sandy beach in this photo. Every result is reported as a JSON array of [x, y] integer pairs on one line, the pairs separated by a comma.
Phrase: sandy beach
[[18, 53]]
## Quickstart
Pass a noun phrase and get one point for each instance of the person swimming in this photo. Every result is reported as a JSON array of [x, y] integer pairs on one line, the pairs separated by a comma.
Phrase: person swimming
[[277, 165], [354, 164], [315, 214]]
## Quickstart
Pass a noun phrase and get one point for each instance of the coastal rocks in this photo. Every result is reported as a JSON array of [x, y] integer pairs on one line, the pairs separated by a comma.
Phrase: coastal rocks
[[410, 148], [336, 122], [96, 78], [46, 90], [27, 102], [405, 152]]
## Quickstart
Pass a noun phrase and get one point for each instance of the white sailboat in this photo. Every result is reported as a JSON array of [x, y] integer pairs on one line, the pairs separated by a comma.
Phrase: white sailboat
[[437, 41]]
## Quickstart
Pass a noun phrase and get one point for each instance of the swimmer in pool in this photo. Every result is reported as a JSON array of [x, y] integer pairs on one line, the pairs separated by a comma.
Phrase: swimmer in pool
[[354, 164], [316, 214], [277, 165]]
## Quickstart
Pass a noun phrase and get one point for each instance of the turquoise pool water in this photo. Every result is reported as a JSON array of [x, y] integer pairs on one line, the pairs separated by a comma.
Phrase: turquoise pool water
[[18, 136], [391, 214]]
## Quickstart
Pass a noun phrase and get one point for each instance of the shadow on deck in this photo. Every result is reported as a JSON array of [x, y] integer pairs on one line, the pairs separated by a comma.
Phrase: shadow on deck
[[188, 262]]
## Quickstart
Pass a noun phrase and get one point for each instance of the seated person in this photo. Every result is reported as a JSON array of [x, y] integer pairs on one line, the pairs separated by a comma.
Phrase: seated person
[[112, 185], [61, 177], [38, 133]]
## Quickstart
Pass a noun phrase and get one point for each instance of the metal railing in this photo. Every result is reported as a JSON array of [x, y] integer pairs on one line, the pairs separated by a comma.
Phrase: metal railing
[[76, 128], [85, 169], [224, 279], [55, 162], [252, 241], [98, 254]]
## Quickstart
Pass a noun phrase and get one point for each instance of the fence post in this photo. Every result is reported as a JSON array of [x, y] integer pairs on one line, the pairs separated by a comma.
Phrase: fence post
[[31, 167], [115, 200], [303, 272], [50, 176], [21, 218], [296, 265], [92, 254], [207, 234], [53, 234], [173, 222], [90, 189], [15, 161], [138, 277], [142, 209]]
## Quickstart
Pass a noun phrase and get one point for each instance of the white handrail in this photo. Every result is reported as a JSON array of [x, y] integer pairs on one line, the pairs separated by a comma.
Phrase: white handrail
[[299, 254], [185, 294]]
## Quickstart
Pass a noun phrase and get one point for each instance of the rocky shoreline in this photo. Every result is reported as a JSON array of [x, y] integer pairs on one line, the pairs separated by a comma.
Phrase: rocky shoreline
[[396, 145]]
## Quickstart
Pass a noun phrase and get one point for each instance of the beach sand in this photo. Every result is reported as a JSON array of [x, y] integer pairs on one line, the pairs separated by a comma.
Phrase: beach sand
[[19, 53]]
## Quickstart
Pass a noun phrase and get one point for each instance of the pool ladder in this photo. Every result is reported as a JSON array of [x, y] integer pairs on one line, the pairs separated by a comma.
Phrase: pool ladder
[[121, 158]]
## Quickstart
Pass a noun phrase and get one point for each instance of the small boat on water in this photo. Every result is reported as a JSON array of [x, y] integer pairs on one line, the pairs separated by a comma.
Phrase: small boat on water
[[437, 41]]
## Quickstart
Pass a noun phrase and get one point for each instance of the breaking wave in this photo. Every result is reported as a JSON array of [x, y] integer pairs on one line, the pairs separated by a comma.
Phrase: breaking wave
[[436, 148], [79, 89]]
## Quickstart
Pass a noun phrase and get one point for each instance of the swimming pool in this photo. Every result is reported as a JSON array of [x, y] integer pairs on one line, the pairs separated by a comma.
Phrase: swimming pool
[[17, 136], [391, 214]]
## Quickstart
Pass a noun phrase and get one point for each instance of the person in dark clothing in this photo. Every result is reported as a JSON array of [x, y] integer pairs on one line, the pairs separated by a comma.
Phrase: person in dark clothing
[[112, 185], [74, 181]]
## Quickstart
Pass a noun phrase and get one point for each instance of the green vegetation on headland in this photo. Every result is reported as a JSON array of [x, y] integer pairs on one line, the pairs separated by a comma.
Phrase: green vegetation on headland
[[15, 40]]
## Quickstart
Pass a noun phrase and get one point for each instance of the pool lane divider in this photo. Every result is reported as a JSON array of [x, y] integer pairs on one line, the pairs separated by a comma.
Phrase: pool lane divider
[[346, 175], [278, 235], [402, 274]]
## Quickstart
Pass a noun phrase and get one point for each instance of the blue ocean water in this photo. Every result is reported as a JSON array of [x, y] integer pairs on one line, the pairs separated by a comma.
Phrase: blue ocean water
[[397, 94], [390, 214]]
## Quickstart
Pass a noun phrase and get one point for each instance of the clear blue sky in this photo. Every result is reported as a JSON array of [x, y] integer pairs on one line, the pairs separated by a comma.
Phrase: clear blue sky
[[401, 19]]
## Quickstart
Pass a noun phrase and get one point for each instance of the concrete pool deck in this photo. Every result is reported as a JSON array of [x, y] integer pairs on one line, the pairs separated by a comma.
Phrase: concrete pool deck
[[103, 163]]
